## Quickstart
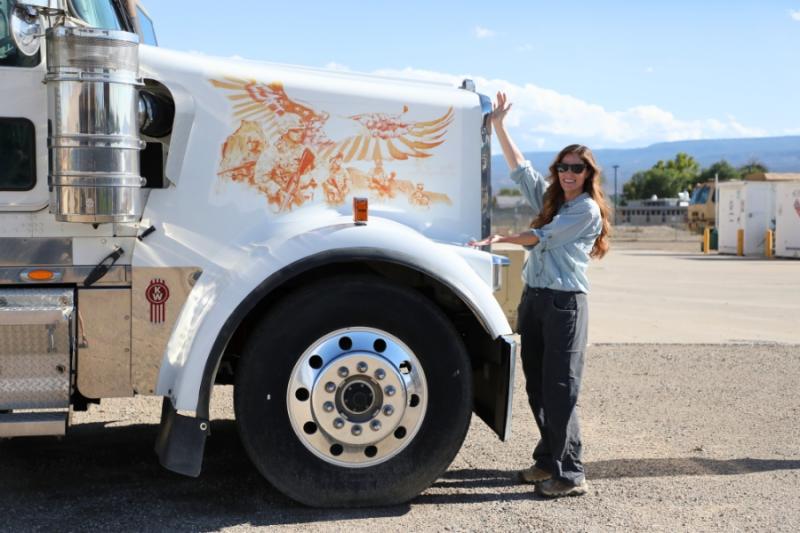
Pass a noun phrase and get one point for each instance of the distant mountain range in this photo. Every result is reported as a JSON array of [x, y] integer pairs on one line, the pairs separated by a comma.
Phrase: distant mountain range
[[779, 154]]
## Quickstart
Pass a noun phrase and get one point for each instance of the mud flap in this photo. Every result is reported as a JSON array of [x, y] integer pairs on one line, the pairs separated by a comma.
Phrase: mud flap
[[181, 441], [493, 384]]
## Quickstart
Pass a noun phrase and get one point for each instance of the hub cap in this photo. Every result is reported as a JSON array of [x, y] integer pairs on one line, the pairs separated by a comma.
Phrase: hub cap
[[357, 397]]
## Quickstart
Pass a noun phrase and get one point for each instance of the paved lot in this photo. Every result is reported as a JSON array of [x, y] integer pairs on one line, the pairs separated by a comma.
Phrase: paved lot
[[687, 297], [678, 436]]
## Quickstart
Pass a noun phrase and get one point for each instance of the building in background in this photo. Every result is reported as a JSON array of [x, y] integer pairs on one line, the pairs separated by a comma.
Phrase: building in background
[[655, 211]]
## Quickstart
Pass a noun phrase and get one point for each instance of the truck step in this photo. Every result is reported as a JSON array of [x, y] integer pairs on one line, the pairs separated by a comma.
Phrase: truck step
[[36, 340], [33, 424]]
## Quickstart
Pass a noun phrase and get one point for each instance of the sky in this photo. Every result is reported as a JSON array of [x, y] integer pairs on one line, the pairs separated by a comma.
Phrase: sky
[[608, 74]]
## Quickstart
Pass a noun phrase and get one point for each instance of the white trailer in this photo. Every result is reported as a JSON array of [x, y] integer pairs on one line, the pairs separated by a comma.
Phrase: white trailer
[[787, 219], [171, 221], [747, 206]]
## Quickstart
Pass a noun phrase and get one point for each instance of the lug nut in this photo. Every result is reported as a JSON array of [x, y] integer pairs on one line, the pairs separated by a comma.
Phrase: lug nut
[[330, 386], [328, 406], [388, 410], [390, 390], [375, 425], [338, 423], [380, 373], [356, 430], [362, 367], [343, 372]]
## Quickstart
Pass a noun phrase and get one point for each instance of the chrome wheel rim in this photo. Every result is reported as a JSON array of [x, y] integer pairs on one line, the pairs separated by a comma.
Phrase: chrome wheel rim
[[357, 397]]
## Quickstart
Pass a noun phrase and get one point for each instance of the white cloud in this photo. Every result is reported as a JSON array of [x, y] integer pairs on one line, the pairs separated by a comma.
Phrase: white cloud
[[483, 33], [337, 66], [535, 141], [541, 113], [795, 14], [649, 70]]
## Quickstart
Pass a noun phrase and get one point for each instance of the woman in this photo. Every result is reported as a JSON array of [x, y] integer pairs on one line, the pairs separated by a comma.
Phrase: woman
[[570, 225]]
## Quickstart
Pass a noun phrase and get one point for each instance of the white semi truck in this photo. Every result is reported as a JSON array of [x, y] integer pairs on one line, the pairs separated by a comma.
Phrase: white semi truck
[[171, 221]]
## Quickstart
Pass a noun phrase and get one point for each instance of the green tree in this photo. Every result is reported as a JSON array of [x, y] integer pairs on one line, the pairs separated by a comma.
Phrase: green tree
[[632, 188], [723, 169], [683, 163], [753, 166], [665, 179]]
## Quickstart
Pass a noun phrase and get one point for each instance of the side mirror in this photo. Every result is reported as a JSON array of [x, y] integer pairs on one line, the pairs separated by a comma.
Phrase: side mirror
[[26, 27]]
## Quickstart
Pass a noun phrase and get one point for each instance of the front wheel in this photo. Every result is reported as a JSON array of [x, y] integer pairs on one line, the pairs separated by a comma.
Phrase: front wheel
[[353, 392]]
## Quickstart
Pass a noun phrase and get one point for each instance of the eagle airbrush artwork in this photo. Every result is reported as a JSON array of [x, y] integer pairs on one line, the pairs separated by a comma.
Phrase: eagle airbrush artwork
[[282, 148]]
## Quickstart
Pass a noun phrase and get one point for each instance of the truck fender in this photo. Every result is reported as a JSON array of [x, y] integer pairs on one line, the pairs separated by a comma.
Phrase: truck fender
[[221, 299]]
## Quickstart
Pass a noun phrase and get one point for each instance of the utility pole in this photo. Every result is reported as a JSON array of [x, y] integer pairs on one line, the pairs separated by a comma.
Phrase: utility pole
[[615, 194]]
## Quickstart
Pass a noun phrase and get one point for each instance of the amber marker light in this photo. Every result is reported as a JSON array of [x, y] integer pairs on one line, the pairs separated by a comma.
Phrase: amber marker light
[[38, 275], [360, 210]]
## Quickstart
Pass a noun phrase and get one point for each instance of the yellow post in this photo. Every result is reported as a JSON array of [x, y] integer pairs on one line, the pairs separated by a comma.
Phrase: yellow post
[[707, 240], [740, 242], [768, 242]]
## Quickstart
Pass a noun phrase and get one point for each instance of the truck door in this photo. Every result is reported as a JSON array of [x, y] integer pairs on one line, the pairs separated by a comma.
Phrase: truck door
[[23, 124]]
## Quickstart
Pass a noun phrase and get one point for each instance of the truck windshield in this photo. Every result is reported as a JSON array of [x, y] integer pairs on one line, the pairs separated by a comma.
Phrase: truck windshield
[[98, 13], [700, 196]]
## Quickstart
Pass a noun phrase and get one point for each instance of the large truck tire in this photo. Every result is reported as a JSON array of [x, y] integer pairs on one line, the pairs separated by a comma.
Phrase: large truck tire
[[353, 392]]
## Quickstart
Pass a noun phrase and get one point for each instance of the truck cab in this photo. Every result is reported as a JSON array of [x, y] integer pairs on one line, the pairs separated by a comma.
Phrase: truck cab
[[702, 206], [172, 221]]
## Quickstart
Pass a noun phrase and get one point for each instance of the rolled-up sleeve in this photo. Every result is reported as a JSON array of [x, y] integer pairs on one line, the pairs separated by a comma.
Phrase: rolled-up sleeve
[[532, 184], [576, 222]]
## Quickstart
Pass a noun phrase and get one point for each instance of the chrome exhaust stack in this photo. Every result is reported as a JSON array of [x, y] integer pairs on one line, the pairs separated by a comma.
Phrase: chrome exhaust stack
[[93, 97]]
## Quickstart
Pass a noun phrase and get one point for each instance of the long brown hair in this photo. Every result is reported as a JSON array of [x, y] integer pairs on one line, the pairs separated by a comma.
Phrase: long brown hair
[[554, 196]]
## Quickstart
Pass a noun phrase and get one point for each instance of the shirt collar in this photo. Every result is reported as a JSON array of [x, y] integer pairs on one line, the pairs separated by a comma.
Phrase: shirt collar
[[582, 196]]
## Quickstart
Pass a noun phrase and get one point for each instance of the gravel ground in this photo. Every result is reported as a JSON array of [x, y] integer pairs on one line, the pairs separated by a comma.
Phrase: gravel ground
[[677, 437]]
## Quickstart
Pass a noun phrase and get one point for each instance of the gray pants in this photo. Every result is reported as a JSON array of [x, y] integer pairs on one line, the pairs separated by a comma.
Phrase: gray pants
[[553, 328]]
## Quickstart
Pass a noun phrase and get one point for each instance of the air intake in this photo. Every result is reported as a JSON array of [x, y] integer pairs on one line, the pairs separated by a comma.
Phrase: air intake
[[92, 88]]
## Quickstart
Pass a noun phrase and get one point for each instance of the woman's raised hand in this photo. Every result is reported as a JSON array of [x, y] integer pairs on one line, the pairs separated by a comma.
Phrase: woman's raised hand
[[500, 108]]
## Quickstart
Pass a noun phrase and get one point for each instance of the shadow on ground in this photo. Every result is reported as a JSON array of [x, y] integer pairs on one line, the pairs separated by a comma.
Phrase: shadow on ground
[[455, 482], [109, 478], [627, 468]]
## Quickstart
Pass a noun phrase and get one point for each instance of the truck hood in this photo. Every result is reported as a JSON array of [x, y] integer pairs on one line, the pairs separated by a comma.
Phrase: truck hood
[[280, 138]]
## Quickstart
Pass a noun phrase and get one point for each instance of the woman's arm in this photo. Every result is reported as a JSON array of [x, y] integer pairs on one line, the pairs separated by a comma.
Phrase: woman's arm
[[500, 109], [531, 183], [525, 238]]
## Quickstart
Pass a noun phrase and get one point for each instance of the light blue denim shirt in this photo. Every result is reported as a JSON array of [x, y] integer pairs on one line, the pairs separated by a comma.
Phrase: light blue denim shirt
[[560, 259]]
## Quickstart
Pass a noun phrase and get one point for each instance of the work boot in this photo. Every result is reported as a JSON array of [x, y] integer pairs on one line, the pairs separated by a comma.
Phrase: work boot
[[555, 488], [534, 474]]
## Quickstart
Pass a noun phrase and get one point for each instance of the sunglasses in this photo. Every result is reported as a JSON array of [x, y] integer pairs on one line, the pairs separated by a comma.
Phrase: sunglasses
[[577, 168]]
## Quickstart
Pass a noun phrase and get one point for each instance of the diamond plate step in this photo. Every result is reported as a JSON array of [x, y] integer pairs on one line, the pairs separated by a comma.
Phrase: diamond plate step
[[36, 340]]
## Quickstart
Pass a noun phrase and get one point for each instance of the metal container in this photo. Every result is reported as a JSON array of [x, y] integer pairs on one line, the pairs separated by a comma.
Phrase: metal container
[[92, 84], [787, 219], [746, 206]]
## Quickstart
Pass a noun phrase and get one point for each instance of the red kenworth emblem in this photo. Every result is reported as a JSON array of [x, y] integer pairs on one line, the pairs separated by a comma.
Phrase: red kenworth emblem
[[157, 294]]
